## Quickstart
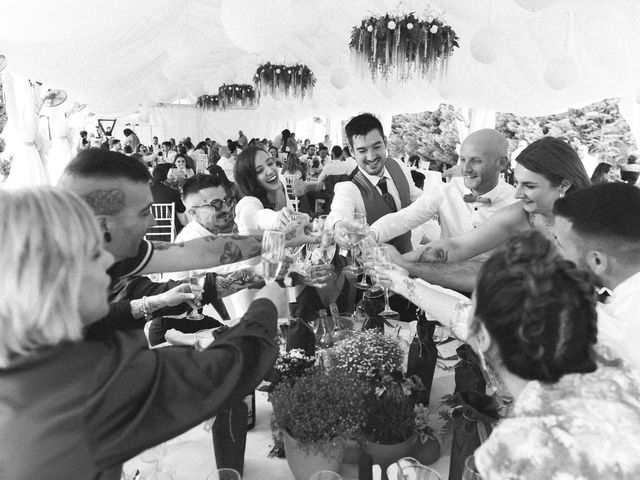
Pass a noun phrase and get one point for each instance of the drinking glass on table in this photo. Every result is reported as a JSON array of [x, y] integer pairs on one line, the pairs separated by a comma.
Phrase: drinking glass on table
[[382, 258], [273, 243], [196, 282], [470, 471], [225, 474], [350, 231]]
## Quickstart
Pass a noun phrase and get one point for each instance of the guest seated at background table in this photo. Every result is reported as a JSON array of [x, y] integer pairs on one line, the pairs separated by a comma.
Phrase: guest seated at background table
[[75, 409], [602, 174], [547, 170], [264, 203], [179, 172], [535, 324], [162, 193]]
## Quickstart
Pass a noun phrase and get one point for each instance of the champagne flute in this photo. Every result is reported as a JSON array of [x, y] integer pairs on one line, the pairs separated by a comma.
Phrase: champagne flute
[[326, 248], [351, 232], [470, 471], [273, 243], [366, 248], [383, 259], [196, 282]]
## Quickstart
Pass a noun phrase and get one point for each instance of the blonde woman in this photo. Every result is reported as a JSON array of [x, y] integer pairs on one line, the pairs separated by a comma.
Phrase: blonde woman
[[77, 409]]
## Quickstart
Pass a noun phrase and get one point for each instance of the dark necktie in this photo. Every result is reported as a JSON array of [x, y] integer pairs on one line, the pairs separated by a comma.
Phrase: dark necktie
[[386, 196], [603, 295], [472, 198]]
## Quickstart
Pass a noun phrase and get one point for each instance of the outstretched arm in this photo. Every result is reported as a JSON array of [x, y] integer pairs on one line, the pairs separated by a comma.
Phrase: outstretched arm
[[491, 234]]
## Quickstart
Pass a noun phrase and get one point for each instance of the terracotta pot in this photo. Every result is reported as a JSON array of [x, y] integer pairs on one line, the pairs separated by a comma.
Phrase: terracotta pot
[[304, 461], [385, 455], [426, 453]]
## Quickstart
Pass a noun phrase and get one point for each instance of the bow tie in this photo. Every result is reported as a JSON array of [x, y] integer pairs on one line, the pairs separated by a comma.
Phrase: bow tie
[[472, 198]]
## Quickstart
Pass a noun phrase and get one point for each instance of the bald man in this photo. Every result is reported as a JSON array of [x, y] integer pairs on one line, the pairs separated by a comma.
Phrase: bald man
[[459, 206]]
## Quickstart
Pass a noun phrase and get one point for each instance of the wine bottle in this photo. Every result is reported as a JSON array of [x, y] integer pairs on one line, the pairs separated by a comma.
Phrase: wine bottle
[[365, 466], [326, 339]]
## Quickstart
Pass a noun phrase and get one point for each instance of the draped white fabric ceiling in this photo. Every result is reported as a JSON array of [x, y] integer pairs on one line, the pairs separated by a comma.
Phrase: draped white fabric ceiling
[[119, 56]]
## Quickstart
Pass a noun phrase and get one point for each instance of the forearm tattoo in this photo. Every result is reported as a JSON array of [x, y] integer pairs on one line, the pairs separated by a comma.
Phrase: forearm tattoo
[[105, 202], [238, 279], [236, 247], [434, 255], [166, 245]]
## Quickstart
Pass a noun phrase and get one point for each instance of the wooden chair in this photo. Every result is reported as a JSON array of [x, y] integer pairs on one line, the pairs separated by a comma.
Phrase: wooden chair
[[165, 228]]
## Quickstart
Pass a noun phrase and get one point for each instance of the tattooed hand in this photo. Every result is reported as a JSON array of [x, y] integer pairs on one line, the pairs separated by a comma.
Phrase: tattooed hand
[[433, 255]]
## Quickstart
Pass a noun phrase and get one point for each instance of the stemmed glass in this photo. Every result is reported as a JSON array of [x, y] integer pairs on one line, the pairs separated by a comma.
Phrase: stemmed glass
[[351, 231], [273, 243], [196, 282], [383, 259], [366, 249], [300, 219], [470, 470]]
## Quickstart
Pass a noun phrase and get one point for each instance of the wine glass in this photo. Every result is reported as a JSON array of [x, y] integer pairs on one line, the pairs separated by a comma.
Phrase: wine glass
[[225, 474], [196, 282], [350, 232], [470, 471], [317, 226], [383, 260], [273, 243], [326, 249], [366, 251]]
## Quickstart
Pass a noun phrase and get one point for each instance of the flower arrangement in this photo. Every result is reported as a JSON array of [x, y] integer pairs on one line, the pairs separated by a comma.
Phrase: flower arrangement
[[297, 80], [208, 102], [292, 365], [392, 412], [404, 44], [319, 408], [366, 354], [237, 96]]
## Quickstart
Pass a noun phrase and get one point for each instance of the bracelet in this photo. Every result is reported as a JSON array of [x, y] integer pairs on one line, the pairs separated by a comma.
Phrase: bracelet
[[145, 309]]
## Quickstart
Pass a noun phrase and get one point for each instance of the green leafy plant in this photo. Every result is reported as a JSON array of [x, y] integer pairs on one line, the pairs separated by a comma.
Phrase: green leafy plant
[[320, 408]]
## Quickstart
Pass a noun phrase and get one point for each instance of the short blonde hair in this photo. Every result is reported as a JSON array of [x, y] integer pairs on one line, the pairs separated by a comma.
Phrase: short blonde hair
[[47, 237]]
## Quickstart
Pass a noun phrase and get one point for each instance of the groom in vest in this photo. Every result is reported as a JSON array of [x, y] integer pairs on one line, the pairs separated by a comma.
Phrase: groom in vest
[[380, 185]]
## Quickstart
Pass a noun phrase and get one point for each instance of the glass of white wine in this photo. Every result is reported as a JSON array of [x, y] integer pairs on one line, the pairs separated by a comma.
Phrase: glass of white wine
[[273, 254], [196, 282], [350, 232]]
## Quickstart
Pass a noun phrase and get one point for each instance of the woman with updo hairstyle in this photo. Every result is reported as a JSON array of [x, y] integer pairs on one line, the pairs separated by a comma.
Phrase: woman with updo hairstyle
[[576, 407], [535, 324], [547, 169]]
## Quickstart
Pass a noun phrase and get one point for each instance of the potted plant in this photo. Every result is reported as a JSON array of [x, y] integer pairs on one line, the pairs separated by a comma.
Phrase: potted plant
[[395, 424], [316, 413]]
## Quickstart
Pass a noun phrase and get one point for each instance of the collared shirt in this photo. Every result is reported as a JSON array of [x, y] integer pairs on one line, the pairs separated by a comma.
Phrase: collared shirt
[[348, 200], [619, 323], [447, 204], [337, 167]]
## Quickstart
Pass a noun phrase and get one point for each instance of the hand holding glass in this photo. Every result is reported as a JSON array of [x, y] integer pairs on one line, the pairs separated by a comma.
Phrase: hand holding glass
[[272, 254], [383, 259], [196, 282]]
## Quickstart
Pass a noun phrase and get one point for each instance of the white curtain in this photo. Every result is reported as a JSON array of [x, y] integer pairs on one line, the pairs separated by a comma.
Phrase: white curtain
[[22, 100], [60, 153], [469, 120]]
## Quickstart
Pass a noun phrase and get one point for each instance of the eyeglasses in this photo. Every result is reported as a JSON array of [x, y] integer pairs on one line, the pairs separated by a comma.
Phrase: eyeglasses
[[217, 203]]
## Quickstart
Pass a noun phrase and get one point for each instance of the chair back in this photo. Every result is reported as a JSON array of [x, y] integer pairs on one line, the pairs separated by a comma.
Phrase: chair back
[[165, 228], [289, 182]]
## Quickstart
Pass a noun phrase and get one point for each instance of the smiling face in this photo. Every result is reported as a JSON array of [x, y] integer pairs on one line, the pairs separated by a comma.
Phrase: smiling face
[[211, 208], [266, 171], [370, 151], [536, 192], [181, 163], [481, 164]]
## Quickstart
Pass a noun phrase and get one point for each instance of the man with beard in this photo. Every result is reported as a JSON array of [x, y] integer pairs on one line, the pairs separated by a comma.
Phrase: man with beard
[[598, 228], [460, 205]]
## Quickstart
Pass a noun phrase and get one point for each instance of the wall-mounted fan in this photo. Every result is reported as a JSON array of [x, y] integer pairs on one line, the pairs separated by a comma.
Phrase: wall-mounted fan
[[77, 107], [53, 98]]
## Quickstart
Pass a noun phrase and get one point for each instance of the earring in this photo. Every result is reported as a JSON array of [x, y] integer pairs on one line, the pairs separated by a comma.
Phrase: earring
[[561, 193], [106, 234]]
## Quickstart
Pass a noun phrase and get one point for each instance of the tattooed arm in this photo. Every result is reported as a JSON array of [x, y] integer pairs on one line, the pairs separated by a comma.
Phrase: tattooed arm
[[205, 252], [237, 280]]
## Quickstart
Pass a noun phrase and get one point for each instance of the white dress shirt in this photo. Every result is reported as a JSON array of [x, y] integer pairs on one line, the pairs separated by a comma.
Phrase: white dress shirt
[[348, 200], [619, 322], [337, 167], [447, 204]]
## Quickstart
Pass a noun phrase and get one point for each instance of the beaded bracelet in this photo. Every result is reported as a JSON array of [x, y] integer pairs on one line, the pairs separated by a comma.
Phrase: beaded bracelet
[[145, 309]]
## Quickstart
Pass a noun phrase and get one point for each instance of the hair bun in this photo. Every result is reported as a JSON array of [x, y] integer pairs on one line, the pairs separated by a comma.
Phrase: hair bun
[[528, 248]]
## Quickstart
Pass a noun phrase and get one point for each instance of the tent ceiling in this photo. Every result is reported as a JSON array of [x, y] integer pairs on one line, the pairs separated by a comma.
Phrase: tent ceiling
[[119, 55]]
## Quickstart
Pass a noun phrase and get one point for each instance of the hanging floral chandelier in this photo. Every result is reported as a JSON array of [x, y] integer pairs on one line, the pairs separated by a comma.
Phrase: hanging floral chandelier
[[208, 102], [403, 45], [290, 80], [237, 95]]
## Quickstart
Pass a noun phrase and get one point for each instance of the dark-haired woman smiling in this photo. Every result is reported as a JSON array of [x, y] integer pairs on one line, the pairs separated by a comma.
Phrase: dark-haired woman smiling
[[264, 204]]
